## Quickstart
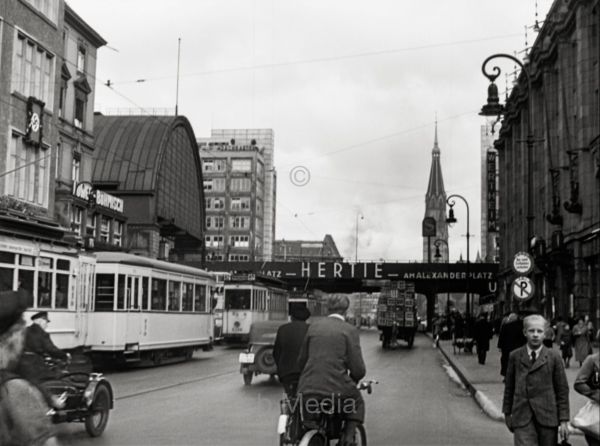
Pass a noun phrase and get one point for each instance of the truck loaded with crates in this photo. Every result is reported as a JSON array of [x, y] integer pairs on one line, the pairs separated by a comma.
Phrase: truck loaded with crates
[[397, 313]]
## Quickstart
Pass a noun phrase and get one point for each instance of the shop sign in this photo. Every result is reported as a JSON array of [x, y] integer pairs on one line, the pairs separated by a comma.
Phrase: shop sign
[[86, 191], [492, 214], [19, 248]]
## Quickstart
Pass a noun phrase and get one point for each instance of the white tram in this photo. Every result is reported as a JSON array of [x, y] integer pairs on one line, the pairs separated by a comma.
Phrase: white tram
[[218, 304], [251, 298], [149, 309], [60, 280]]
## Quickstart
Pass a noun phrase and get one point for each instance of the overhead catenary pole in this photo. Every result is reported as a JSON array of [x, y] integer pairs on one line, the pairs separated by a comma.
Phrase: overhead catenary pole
[[177, 88]]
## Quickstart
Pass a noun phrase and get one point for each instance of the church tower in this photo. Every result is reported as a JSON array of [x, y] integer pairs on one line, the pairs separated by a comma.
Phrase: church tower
[[435, 206]]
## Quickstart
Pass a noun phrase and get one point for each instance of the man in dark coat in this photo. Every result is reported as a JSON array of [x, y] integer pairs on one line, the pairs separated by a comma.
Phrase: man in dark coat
[[482, 333], [38, 345], [287, 348], [511, 337], [536, 393], [332, 364]]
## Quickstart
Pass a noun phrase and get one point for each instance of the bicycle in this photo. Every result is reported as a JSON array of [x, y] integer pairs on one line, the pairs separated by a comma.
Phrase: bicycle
[[295, 429]]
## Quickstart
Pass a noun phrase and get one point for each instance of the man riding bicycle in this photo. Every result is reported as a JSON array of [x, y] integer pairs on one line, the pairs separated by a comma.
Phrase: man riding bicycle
[[332, 364]]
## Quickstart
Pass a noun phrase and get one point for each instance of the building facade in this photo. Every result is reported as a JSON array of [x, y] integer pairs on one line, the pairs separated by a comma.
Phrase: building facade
[[435, 207], [234, 185], [561, 192], [152, 164], [306, 250], [265, 140], [490, 242]]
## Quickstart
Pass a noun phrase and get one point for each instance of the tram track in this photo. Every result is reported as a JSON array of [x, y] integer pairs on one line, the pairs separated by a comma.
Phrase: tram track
[[172, 385]]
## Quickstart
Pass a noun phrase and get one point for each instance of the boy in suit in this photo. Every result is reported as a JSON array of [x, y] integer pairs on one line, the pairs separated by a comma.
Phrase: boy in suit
[[536, 392]]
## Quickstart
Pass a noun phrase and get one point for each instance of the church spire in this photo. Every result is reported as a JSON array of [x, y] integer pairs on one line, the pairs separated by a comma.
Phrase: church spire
[[436, 181]]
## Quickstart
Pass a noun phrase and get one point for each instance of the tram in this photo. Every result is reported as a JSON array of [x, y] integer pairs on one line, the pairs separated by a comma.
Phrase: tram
[[251, 298], [112, 305], [218, 304], [148, 309]]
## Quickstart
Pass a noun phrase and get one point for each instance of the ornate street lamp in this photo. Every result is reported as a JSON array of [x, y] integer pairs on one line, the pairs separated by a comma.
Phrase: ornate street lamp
[[450, 220], [493, 108]]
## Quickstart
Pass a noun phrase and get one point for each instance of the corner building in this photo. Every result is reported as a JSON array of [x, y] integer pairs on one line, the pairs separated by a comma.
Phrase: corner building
[[564, 65]]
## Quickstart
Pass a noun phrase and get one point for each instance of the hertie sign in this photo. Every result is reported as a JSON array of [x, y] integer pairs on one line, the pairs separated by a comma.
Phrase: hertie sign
[[523, 288], [522, 263]]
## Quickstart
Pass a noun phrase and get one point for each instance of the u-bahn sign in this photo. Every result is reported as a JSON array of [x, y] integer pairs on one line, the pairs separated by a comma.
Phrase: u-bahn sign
[[477, 278]]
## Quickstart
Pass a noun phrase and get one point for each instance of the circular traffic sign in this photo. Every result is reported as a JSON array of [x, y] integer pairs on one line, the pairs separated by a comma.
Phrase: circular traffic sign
[[522, 263], [523, 288]]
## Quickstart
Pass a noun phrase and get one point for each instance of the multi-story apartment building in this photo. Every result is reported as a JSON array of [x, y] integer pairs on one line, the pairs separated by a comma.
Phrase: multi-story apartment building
[[551, 206], [239, 190], [265, 191]]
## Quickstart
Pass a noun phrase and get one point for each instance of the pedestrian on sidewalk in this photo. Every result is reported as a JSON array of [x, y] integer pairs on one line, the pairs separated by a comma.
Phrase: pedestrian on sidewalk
[[588, 383], [549, 336], [482, 333], [510, 338], [583, 346], [565, 342], [559, 328], [536, 393]]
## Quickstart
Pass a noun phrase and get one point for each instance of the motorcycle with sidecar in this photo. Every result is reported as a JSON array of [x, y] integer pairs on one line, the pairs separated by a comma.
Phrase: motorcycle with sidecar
[[87, 396]]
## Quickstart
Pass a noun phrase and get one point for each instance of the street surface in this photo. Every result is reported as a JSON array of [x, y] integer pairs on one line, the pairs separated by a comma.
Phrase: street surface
[[204, 402]]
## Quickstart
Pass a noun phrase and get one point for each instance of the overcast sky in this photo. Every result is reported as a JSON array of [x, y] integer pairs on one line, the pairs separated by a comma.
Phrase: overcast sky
[[350, 88]]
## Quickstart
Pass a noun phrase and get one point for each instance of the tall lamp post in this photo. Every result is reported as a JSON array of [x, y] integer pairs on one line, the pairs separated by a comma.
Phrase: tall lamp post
[[362, 217], [451, 220], [438, 255], [493, 108]]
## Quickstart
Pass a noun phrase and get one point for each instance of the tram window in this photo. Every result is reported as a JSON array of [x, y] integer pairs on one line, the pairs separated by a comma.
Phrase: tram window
[[26, 260], [63, 264], [6, 279], [26, 280], [200, 299], [44, 289], [144, 301], [187, 298], [7, 257], [45, 262], [121, 292], [62, 291], [105, 292], [174, 295], [159, 294], [237, 299]]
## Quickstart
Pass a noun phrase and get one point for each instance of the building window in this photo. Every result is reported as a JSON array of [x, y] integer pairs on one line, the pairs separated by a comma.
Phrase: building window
[[240, 184], [238, 222], [33, 70], [47, 7], [241, 165], [75, 167], [213, 241], [215, 203], [62, 97], [90, 226], [239, 257], [240, 204], [80, 108], [104, 229], [215, 184], [240, 241], [81, 59], [29, 180], [208, 166], [117, 233], [208, 184], [200, 299], [76, 218]]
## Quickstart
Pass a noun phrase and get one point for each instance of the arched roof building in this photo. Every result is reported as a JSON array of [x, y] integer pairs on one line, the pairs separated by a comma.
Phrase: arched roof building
[[153, 164]]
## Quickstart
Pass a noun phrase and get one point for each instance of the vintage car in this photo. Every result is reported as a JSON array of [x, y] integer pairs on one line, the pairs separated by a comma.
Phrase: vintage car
[[258, 357]]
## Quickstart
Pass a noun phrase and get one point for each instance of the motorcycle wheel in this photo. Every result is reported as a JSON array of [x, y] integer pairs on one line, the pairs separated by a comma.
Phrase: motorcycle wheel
[[314, 438], [360, 436], [96, 421]]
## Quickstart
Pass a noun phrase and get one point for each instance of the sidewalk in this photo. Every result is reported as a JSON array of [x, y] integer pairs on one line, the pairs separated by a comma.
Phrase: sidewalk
[[485, 382]]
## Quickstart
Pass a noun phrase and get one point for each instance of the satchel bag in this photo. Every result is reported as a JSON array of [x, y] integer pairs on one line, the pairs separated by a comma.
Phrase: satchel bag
[[588, 419]]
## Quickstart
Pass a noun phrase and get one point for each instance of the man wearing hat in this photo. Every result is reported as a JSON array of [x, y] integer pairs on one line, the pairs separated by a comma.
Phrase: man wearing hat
[[287, 348], [38, 345], [23, 409]]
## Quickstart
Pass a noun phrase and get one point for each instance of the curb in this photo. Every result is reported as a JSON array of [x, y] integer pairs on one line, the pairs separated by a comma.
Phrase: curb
[[487, 405]]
